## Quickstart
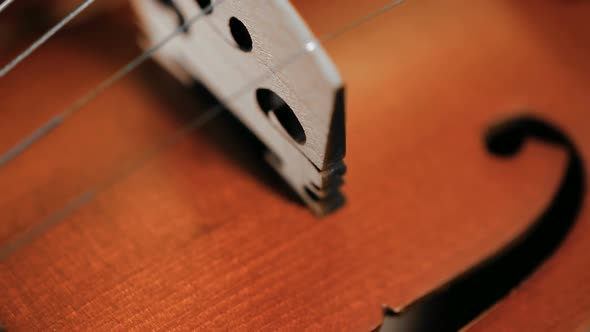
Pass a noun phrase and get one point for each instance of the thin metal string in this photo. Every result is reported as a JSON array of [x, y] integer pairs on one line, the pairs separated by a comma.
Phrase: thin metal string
[[43, 39], [5, 5], [57, 120], [73, 205], [35, 231]]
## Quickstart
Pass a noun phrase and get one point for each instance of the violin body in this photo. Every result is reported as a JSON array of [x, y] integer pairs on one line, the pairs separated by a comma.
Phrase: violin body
[[117, 222]]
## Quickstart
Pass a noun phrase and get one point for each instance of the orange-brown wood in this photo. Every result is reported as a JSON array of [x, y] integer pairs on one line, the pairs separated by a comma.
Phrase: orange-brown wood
[[204, 236]]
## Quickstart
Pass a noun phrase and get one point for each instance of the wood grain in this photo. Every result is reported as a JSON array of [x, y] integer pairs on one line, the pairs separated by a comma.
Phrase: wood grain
[[205, 237]]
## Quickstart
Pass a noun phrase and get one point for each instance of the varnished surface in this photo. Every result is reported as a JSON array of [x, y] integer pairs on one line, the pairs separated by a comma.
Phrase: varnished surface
[[203, 236]]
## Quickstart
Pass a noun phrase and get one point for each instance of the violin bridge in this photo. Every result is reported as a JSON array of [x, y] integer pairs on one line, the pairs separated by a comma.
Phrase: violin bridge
[[262, 61]]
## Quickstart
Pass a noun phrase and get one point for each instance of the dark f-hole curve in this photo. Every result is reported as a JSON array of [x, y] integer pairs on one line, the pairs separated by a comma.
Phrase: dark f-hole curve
[[270, 102], [457, 303]]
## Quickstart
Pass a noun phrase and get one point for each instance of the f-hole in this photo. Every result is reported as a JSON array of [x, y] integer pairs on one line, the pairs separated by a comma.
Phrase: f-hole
[[452, 306]]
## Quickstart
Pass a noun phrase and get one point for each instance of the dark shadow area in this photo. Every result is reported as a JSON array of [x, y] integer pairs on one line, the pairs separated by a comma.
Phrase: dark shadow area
[[109, 41], [184, 104], [225, 132]]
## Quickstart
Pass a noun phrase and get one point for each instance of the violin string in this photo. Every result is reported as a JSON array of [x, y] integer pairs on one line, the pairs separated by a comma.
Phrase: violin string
[[35, 231], [5, 5], [45, 37], [59, 119], [77, 202]]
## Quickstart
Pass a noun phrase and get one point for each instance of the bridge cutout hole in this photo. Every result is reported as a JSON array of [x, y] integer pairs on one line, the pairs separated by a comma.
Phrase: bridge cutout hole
[[270, 102], [241, 35]]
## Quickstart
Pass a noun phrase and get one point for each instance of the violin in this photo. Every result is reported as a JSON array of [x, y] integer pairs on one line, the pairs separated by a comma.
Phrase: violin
[[295, 165]]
